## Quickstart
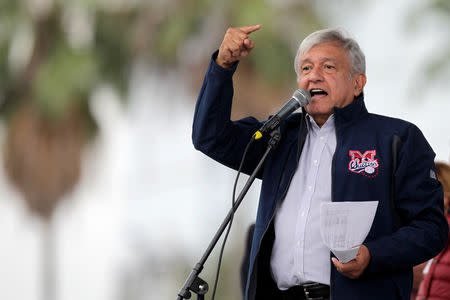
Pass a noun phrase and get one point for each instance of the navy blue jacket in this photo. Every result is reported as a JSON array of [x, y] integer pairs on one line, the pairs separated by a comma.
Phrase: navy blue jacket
[[376, 158]]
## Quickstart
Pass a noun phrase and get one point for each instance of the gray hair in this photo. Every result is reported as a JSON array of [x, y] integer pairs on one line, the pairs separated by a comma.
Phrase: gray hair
[[355, 54]]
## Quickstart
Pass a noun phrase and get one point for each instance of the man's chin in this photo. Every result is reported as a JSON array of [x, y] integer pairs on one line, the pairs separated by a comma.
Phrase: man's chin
[[316, 110], [316, 98]]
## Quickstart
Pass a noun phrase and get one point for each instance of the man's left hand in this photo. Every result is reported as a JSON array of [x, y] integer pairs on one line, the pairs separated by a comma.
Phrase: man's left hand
[[354, 268]]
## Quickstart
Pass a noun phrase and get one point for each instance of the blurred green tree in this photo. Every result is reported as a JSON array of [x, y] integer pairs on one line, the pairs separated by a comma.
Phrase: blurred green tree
[[53, 54]]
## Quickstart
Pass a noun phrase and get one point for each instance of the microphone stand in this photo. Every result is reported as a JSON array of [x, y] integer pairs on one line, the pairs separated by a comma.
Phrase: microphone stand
[[193, 282]]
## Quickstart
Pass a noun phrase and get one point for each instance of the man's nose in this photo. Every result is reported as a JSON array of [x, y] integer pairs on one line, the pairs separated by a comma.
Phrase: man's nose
[[315, 74]]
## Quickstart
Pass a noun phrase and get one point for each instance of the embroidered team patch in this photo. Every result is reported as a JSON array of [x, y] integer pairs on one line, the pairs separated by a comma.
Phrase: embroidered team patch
[[365, 164]]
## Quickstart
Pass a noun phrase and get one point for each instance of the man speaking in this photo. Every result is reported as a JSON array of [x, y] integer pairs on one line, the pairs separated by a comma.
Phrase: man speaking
[[316, 161]]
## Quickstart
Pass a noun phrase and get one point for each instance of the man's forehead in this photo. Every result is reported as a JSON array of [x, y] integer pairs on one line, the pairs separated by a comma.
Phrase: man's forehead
[[328, 51]]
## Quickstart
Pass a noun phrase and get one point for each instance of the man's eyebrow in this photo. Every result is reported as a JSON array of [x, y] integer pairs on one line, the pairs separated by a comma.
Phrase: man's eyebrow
[[324, 59]]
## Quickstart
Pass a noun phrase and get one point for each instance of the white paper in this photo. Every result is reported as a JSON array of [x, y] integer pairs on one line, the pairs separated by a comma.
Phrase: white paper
[[345, 225]]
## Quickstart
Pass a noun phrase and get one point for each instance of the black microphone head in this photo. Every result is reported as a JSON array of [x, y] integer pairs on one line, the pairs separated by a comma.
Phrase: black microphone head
[[302, 96]]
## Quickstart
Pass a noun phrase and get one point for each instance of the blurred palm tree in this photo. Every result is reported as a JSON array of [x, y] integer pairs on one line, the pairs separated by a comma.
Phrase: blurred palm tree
[[55, 53], [53, 56]]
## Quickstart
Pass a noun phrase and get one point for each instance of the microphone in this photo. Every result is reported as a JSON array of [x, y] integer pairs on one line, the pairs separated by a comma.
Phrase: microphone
[[300, 98]]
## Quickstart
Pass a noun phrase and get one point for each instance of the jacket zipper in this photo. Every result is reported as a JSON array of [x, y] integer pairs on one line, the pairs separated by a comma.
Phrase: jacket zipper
[[277, 206], [287, 188], [333, 169], [290, 179], [333, 161]]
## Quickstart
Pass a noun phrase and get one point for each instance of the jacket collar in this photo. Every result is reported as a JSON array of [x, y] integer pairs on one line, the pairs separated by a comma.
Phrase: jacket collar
[[354, 111]]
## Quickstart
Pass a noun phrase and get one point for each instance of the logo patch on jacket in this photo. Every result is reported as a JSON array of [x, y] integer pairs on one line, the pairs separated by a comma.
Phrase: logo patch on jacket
[[365, 164]]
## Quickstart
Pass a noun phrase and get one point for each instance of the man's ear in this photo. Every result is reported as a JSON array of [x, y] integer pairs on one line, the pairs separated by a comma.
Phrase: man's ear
[[359, 83]]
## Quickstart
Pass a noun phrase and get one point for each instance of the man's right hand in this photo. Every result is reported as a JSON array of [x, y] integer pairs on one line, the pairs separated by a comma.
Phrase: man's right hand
[[235, 45]]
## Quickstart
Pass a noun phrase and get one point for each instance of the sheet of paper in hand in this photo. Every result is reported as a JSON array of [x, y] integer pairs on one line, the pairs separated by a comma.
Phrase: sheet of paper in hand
[[345, 225]]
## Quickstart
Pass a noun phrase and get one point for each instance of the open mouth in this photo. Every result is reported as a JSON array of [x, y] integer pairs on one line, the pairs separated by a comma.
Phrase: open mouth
[[317, 92]]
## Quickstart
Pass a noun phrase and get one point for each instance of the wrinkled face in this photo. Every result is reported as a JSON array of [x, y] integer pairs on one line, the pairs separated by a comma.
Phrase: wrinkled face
[[325, 72]]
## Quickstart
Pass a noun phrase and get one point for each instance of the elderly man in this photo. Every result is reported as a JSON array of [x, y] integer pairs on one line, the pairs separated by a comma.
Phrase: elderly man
[[319, 159]]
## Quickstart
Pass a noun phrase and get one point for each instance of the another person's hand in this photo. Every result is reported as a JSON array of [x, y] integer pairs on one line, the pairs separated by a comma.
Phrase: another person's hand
[[235, 45], [354, 268]]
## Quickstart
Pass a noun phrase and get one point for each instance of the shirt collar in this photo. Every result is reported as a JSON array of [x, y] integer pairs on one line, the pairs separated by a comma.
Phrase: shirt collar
[[315, 129]]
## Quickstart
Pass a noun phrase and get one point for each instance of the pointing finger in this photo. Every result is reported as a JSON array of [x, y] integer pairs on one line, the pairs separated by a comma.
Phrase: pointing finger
[[250, 29]]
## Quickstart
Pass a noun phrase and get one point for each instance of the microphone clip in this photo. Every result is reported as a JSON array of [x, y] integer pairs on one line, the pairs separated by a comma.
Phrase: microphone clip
[[272, 124]]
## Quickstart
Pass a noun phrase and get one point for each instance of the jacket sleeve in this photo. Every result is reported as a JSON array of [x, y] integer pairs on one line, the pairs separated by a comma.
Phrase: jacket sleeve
[[213, 133], [419, 204]]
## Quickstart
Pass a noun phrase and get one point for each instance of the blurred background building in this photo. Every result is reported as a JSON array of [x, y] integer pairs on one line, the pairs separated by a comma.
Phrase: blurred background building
[[102, 195]]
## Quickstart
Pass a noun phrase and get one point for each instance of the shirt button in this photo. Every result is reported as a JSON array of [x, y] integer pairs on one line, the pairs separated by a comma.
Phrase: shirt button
[[299, 273], [322, 138], [316, 162], [310, 188], [303, 213], [298, 243]]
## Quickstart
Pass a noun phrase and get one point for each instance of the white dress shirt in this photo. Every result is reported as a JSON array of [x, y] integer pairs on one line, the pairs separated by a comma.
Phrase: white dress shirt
[[299, 254]]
